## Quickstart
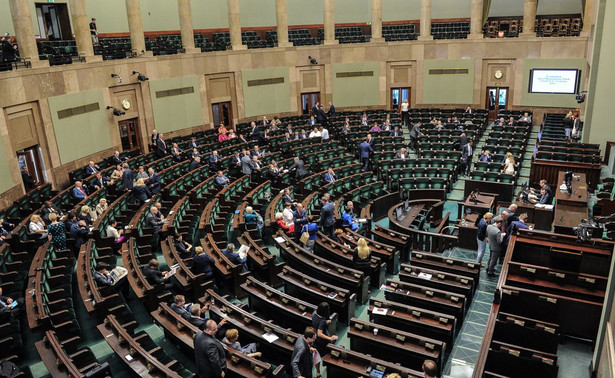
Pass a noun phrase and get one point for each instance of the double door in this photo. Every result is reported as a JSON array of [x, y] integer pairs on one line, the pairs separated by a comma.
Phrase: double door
[[497, 99]]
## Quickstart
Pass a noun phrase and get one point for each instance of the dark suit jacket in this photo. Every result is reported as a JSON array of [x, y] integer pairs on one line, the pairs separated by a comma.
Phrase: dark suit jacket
[[116, 160], [397, 133], [398, 156], [255, 133], [102, 280], [299, 169], [128, 179], [213, 162], [365, 149], [154, 183], [194, 165], [153, 276], [161, 148], [89, 171], [326, 214], [28, 182], [141, 193], [79, 234], [209, 356], [331, 111], [202, 264], [180, 310]]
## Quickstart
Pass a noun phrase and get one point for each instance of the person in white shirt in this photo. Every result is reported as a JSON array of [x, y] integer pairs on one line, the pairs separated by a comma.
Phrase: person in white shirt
[[324, 134], [287, 214], [315, 133], [404, 112]]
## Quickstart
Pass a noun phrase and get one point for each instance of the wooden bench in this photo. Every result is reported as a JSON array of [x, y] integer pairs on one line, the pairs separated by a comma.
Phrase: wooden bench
[[395, 238], [59, 362], [138, 351], [253, 327], [426, 297], [336, 252], [454, 283], [386, 252], [322, 269], [301, 285], [229, 273], [264, 263], [447, 264], [238, 364], [392, 344], [432, 324], [342, 362], [285, 309], [196, 284]]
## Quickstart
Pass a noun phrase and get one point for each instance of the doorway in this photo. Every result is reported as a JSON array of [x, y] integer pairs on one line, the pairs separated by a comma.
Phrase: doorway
[[223, 112], [130, 135], [398, 95], [31, 158], [53, 21], [497, 99], [308, 100]]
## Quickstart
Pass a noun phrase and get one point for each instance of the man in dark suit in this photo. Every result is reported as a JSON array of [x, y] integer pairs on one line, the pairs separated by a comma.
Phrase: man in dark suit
[[103, 279], [154, 181], [255, 134], [28, 182], [154, 276], [195, 163], [255, 168], [365, 150], [176, 153], [396, 132], [302, 361], [214, 160], [99, 182], [116, 159], [91, 168], [311, 121], [154, 220], [330, 176], [402, 154], [49, 208], [331, 112], [233, 257], [415, 133], [209, 353], [321, 117], [466, 158], [202, 263], [161, 146], [315, 109], [463, 140], [79, 231], [178, 306], [236, 160], [193, 143], [182, 247], [327, 218], [287, 198], [79, 191], [154, 138], [128, 177], [299, 168]]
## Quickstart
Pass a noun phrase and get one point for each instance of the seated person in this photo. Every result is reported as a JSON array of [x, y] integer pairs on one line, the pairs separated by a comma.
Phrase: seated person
[[183, 248], [501, 122], [86, 215], [235, 258], [230, 340], [526, 118], [202, 263], [79, 191], [79, 231], [330, 176], [154, 276], [543, 184], [37, 227], [48, 208], [544, 199], [348, 219], [180, 307], [103, 278], [195, 163], [375, 128], [222, 180], [113, 232], [512, 121], [198, 319], [338, 237], [396, 132], [402, 154], [140, 192], [288, 229], [10, 306], [439, 126], [486, 157], [287, 198], [91, 168], [214, 160], [315, 133]]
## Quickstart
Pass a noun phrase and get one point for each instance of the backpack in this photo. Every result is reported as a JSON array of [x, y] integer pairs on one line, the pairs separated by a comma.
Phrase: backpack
[[8, 369]]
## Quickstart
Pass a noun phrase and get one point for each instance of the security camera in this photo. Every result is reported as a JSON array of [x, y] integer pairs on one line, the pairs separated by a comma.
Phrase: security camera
[[140, 76], [312, 60], [117, 77], [116, 112], [580, 98]]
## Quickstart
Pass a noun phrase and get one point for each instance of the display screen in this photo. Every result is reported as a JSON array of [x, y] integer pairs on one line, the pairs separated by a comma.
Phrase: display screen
[[554, 81]]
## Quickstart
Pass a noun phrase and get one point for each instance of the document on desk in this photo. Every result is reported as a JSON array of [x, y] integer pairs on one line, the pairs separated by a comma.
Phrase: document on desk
[[424, 276], [271, 337], [380, 311], [279, 239]]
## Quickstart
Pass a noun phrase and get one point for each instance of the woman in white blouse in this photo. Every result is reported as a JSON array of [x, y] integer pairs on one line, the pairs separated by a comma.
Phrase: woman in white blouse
[[37, 226], [101, 207]]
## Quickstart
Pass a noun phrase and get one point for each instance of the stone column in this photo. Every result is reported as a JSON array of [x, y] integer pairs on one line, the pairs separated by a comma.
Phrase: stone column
[[476, 20], [135, 26], [377, 21], [329, 21], [425, 21], [234, 24], [185, 25], [588, 17], [281, 17], [22, 22], [81, 26], [529, 18]]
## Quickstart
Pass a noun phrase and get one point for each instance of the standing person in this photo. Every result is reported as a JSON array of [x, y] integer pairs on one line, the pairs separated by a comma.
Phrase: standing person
[[57, 231], [28, 181], [365, 149], [302, 361], [331, 112], [298, 168], [320, 322], [9, 53], [94, 31], [495, 237], [208, 353], [481, 234], [466, 157], [161, 146], [361, 257], [312, 229], [567, 124], [327, 219], [404, 112], [415, 133]]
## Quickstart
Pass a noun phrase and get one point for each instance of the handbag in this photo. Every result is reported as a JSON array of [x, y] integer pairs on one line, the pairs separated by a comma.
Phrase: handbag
[[305, 237]]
